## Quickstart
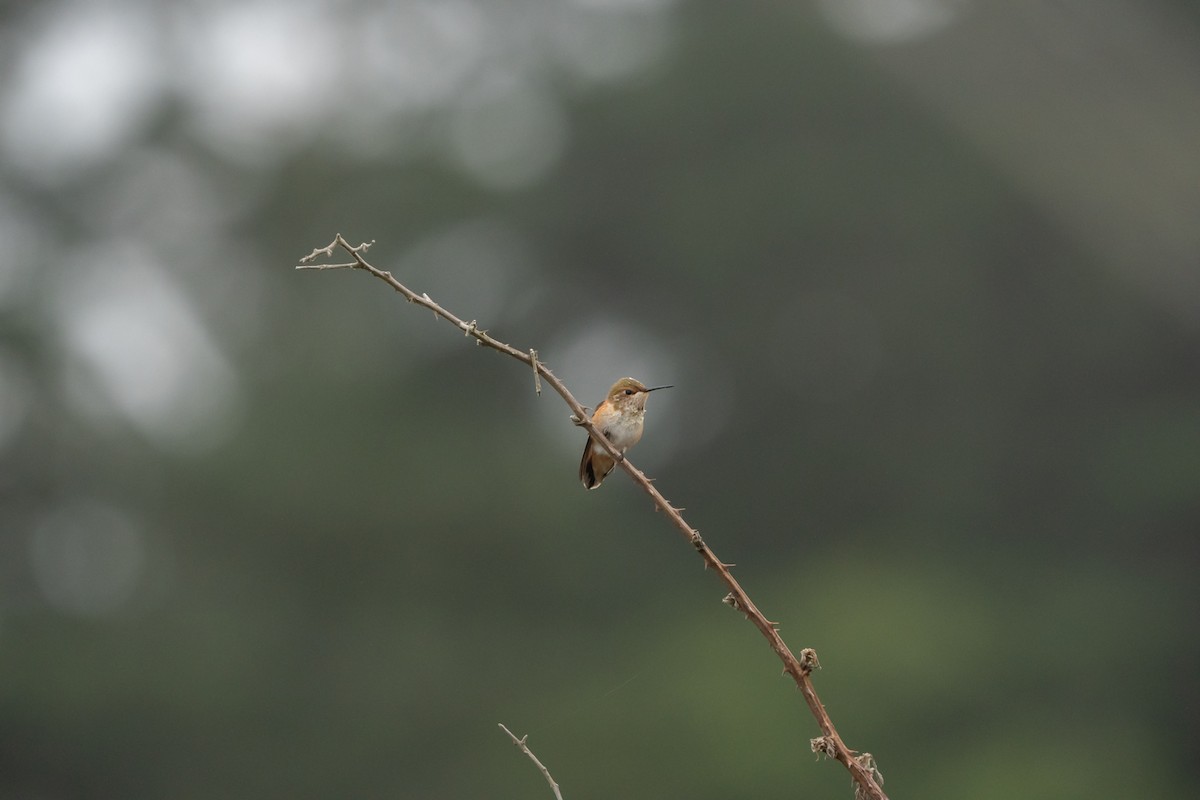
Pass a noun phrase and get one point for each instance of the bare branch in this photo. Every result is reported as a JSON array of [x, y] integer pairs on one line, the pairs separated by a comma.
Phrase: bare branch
[[831, 744], [525, 749]]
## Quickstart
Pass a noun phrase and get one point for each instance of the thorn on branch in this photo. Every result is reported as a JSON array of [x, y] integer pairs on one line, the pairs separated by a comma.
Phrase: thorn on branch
[[537, 377], [808, 661], [472, 329]]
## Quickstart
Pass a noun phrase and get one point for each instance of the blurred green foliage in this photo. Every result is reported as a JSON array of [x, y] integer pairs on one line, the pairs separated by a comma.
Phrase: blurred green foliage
[[947, 444]]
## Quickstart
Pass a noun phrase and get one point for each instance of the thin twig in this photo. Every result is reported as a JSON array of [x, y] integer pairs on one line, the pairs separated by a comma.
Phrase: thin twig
[[525, 749], [864, 778], [537, 379]]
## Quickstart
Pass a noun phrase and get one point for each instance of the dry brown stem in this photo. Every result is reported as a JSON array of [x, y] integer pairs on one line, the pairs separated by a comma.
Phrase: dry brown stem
[[865, 776], [525, 749]]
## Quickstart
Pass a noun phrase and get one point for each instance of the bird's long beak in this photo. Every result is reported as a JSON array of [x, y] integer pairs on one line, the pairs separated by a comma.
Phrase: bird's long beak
[[656, 388]]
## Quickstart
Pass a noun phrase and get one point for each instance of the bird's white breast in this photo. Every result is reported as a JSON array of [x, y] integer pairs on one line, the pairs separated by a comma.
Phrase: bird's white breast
[[626, 430]]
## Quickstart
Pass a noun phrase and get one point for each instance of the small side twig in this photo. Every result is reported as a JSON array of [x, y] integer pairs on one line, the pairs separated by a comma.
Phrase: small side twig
[[525, 749], [537, 379]]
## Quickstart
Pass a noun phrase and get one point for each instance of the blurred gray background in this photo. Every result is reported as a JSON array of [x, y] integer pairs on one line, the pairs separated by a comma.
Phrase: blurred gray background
[[925, 275]]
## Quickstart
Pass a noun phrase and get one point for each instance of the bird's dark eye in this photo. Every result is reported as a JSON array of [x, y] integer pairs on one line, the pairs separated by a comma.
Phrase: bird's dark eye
[[629, 391]]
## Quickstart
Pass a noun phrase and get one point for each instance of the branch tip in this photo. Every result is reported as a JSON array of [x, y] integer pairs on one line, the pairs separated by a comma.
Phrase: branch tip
[[345, 245], [326, 251], [542, 767]]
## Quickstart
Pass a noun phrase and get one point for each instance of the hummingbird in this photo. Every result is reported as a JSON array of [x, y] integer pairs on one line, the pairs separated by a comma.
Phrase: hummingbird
[[619, 417]]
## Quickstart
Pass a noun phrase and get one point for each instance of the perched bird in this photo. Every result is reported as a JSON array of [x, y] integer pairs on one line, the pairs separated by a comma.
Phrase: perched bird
[[619, 417]]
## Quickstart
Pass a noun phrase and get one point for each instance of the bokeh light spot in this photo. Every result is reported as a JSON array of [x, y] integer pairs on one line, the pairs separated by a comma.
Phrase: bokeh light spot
[[137, 348], [81, 86], [602, 44], [507, 134], [883, 21], [254, 76]]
